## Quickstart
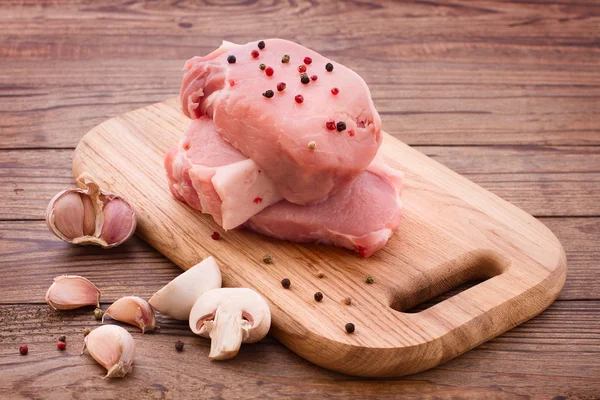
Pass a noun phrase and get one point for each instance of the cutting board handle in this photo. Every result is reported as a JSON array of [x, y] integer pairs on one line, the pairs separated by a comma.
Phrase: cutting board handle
[[463, 321]]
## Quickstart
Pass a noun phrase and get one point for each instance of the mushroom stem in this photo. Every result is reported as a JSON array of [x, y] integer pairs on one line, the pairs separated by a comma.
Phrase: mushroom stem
[[227, 332]]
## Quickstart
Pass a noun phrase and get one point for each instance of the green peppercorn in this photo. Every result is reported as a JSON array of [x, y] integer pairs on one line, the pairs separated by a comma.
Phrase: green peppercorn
[[63, 339], [262, 67], [267, 259], [369, 279], [98, 313], [285, 59], [86, 332]]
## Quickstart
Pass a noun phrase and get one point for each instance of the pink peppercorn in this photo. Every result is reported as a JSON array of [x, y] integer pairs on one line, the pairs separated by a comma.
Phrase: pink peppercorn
[[314, 77], [281, 86], [335, 91], [302, 68], [215, 236], [351, 132], [254, 53], [269, 71], [330, 125], [23, 349], [307, 60], [299, 98], [257, 200], [61, 345], [231, 82]]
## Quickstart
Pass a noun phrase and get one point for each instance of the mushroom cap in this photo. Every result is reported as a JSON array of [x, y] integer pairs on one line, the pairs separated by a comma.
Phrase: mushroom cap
[[177, 297], [251, 305]]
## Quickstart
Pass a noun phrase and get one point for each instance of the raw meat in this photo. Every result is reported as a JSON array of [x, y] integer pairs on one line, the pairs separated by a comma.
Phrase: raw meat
[[275, 131], [213, 177], [210, 175]]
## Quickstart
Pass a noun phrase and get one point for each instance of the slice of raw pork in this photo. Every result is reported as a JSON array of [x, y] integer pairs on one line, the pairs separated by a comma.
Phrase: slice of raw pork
[[273, 127], [212, 176]]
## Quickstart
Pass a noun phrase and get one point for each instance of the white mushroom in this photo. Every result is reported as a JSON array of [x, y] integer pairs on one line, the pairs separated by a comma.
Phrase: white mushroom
[[230, 317], [177, 298]]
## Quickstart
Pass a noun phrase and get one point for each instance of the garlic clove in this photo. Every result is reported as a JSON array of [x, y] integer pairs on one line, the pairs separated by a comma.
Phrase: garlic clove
[[89, 215], [68, 215], [72, 291], [119, 221], [230, 317], [113, 348], [132, 310], [177, 298]]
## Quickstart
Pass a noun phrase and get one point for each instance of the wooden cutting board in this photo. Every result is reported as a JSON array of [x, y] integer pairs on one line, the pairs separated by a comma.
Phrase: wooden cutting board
[[452, 232]]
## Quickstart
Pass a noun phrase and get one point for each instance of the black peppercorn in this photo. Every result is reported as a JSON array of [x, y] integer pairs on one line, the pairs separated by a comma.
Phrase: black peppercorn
[[285, 59], [329, 67], [304, 79], [285, 282], [179, 345], [261, 44], [318, 296], [341, 125], [350, 327], [63, 339], [231, 59], [268, 94]]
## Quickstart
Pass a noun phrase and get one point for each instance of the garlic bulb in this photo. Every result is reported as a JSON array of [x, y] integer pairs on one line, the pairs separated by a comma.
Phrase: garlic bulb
[[89, 215], [113, 348], [132, 310], [72, 291]]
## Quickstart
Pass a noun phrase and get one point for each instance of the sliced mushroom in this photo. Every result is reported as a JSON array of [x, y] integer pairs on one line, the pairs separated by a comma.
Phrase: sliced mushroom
[[230, 317], [177, 298]]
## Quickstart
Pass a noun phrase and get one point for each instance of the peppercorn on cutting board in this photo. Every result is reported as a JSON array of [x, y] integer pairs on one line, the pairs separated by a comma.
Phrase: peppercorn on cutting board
[[453, 231]]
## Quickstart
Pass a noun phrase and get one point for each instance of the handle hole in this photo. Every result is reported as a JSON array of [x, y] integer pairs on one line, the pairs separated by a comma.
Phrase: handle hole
[[448, 280], [445, 296]]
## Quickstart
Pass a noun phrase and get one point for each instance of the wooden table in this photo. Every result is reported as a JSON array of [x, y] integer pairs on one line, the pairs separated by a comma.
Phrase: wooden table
[[505, 93]]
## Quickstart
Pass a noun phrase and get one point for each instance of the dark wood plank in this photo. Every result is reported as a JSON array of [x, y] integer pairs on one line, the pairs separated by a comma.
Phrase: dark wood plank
[[542, 180], [30, 256], [455, 73], [554, 354]]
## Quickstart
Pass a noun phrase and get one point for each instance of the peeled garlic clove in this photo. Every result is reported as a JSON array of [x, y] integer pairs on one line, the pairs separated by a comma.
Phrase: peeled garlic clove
[[72, 291], [177, 298], [89, 215], [230, 317], [132, 310], [113, 348]]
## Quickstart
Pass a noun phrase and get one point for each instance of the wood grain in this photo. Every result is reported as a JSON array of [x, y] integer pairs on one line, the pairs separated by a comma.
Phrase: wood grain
[[552, 355], [542, 180], [453, 231]]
